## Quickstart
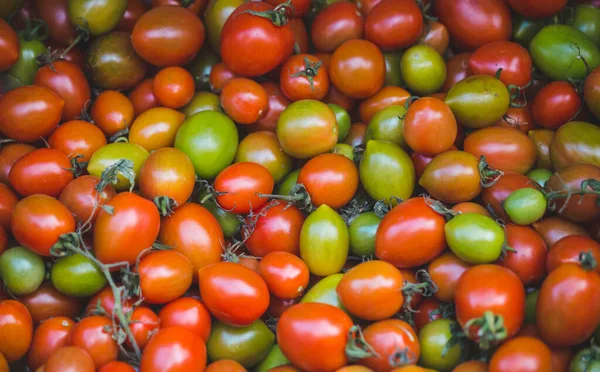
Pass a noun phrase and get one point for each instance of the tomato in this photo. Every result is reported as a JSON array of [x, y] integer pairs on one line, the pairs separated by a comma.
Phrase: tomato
[[423, 69], [9, 46], [265, 41], [174, 348], [156, 128], [277, 103], [202, 101], [552, 229], [30, 112], [336, 24], [111, 154], [388, 96], [142, 97], [525, 206], [144, 323], [518, 118], [585, 19], [575, 142], [244, 100], [3, 239], [542, 139], [473, 24], [99, 17], [286, 275], [91, 335], [173, 87], [362, 231], [387, 337], [436, 351], [303, 76], [105, 299], [51, 335], [16, 330], [567, 308], [528, 260], [513, 60], [117, 367], [229, 222], [539, 175], [216, 15], [219, 75], [324, 242], [30, 48], [471, 366], [112, 62], [496, 194], [135, 9], [21, 270], [123, 234], [474, 238], [567, 250], [42, 171], [195, 6], [47, 302], [555, 104], [591, 92], [38, 221], [555, 49], [8, 199], [69, 357], [188, 313], [435, 35], [263, 148], [501, 293], [523, 354], [274, 359], [577, 208], [9, 154], [457, 68], [445, 271], [245, 345], [428, 310], [277, 229], [112, 112], [225, 365], [537, 9], [394, 24], [77, 137], [82, 199], [164, 276], [478, 101], [357, 68], [238, 187], [429, 126], [167, 172]]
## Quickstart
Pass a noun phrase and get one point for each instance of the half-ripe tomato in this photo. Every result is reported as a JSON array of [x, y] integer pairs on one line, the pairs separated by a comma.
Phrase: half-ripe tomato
[[77, 137], [70, 358], [112, 112], [93, 334], [555, 104], [528, 260], [144, 323], [262, 147], [387, 338], [83, 200], [410, 235], [445, 271], [337, 97], [429, 126], [244, 100], [457, 68], [304, 76], [394, 24], [323, 346], [336, 24], [188, 313], [131, 227], [525, 354], [68, 81], [164, 276], [577, 208], [173, 87], [553, 229], [30, 112], [135, 9], [238, 186], [47, 338], [356, 135], [436, 35], [174, 348], [105, 299], [495, 195], [156, 128], [514, 61], [47, 302], [232, 293], [286, 274], [277, 103], [568, 249], [357, 68], [377, 283], [219, 75], [519, 118], [387, 96], [250, 37], [8, 200], [38, 221], [168, 36], [9, 46], [9, 154], [501, 293], [142, 96], [537, 8], [16, 330], [42, 171]]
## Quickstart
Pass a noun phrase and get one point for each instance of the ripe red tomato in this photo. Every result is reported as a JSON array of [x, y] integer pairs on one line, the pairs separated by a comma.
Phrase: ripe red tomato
[[142, 96], [144, 323], [9, 154], [237, 187], [112, 112], [219, 75], [555, 104], [70, 358], [9, 46], [427, 311], [445, 271], [83, 200], [106, 300], [188, 313], [174, 348], [304, 76], [357, 68], [16, 330], [552, 229], [277, 103], [244, 100], [94, 336], [394, 24], [77, 137], [8, 200], [117, 366], [518, 118], [285, 274], [526, 354], [173, 87], [512, 58], [47, 338], [336, 24], [429, 126], [42, 171], [568, 249], [387, 337], [164, 276], [457, 68], [529, 260], [537, 8], [47, 302]]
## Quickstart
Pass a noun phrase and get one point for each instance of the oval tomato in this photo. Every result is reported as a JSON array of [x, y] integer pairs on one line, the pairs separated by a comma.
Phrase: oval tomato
[[16, 330], [156, 128], [94, 336], [70, 357], [83, 200], [244, 100], [525, 354], [112, 112], [357, 68], [238, 187], [188, 313], [42, 171], [336, 24], [429, 126], [387, 337], [164, 276], [286, 275], [174, 348], [445, 271], [528, 260], [47, 338], [9, 46], [514, 61], [555, 104], [394, 24], [77, 138], [47, 302]]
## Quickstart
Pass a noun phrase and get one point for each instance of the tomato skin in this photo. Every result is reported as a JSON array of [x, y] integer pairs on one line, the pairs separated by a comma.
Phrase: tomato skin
[[591, 92], [168, 36], [404, 240], [156, 128], [196, 6], [320, 350], [188, 313], [9, 154], [77, 137], [112, 112], [502, 293], [122, 237], [357, 68], [471, 366], [552, 229], [296, 86], [536, 8], [525, 354], [80, 197], [575, 142], [285, 274], [30, 112], [434, 117], [174, 349], [529, 260], [142, 96], [445, 271], [244, 100], [47, 302], [512, 58], [277, 103], [90, 335], [568, 249], [428, 311], [262, 147], [240, 183], [47, 338], [497, 193], [144, 323], [135, 9], [245, 345], [70, 358], [394, 24], [518, 118], [385, 97], [579, 208], [16, 330], [42, 171], [8, 200], [386, 337], [336, 24], [9, 46], [164, 276], [457, 68], [568, 306], [116, 367], [555, 104], [173, 87]]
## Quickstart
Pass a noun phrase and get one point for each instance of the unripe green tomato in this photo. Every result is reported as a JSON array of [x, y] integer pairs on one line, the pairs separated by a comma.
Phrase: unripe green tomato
[[525, 206], [77, 276], [423, 69], [474, 238], [362, 231], [21, 270], [540, 175]]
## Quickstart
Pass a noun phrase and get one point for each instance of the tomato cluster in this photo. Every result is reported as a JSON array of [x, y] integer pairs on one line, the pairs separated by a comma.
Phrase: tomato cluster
[[327, 185]]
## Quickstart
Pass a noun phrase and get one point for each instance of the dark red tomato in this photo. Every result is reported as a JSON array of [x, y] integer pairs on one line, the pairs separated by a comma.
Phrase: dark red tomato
[[501, 292], [240, 183], [47, 338], [427, 311], [357, 68], [47, 302], [429, 126], [529, 259], [135, 9], [537, 8], [495, 195], [277, 306], [420, 161], [168, 36], [55, 14], [82, 198], [568, 249], [164, 276], [9, 154], [42, 171], [9, 46], [512, 58], [336, 24], [445, 271], [555, 104], [3, 239], [74, 55], [105, 299], [144, 323], [518, 118], [16, 330], [356, 135], [301, 41], [77, 137], [123, 234], [248, 37], [301, 7], [327, 172], [195, 6], [142, 96], [410, 235], [286, 274], [475, 23], [387, 337], [117, 366], [568, 306], [93, 334], [69, 358], [524, 354], [232, 293], [244, 100], [322, 346], [394, 24], [457, 68], [304, 76], [174, 349], [30, 112], [387, 96], [578, 208], [8, 199], [188, 313], [277, 103], [219, 75], [38, 221]]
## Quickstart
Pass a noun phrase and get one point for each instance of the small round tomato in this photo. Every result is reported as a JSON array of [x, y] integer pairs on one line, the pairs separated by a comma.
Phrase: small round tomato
[[112, 112], [525, 206], [568, 249], [445, 271], [16, 330], [239, 185], [173, 87], [70, 358], [48, 337], [21, 270], [286, 274], [174, 348], [144, 323], [496, 194], [357, 68], [277, 103], [156, 128], [262, 147], [394, 24], [77, 276], [245, 345], [525, 354], [164, 276], [244, 100], [42, 171], [219, 75], [336, 24], [77, 138], [528, 260], [423, 69], [511, 58], [555, 104], [47, 302], [437, 351], [429, 126], [93, 334], [113, 154], [142, 96], [188, 313], [542, 139], [303, 76], [83, 200], [575, 142]]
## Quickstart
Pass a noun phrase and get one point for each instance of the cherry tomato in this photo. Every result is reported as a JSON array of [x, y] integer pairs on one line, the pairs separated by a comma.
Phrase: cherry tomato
[[537, 8], [173, 87], [112, 112], [42, 171], [219, 75], [387, 337], [591, 92], [16, 330], [519, 118], [394, 24], [445, 271], [457, 68], [528, 260], [577, 208], [47, 302], [70, 358], [357, 68], [244, 100], [142, 96], [568, 249], [429, 126], [277, 103], [555, 104], [164, 276], [174, 348], [514, 61], [422, 69], [49, 336], [575, 142], [144, 323], [92, 335], [286, 275], [156, 128], [9, 154], [303, 76], [77, 137], [262, 147], [195, 6], [83, 200], [336, 24], [525, 354], [240, 185], [188, 313], [428, 310], [9, 46], [552, 229], [106, 300]]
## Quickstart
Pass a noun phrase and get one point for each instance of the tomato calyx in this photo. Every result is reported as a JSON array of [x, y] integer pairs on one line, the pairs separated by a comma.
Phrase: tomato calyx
[[440, 208], [311, 69], [445, 311], [77, 167], [165, 205], [120, 136], [383, 206], [53, 55], [457, 337], [488, 175], [35, 28], [487, 330], [357, 347], [361, 203], [110, 176], [587, 261], [424, 287], [298, 196], [280, 16]]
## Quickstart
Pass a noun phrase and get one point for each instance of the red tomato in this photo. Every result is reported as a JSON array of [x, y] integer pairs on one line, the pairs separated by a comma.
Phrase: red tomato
[[105, 299], [174, 349], [8, 200], [164, 276], [518, 118], [555, 104], [9, 46], [42, 171], [394, 24], [357, 68], [429, 126], [225, 365], [232, 293], [70, 358], [428, 310], [537, 8], [524, 354], [219, 75], [47, 302], [529, 259], [94, 336], [387, 96], [277, 103], [457, 68], [9, 154], [568, 249], [135, 9], [112, 112], [553, 229], [240, 184], [16, 330], [55, 14], [116, 367], [83, 200], [336, 24], [285, 274], [188, 313], [47, 338], [445, 271], [144, 324], [387, 337], [337, 97], [304, 76], [173, 87], [77, 137], [142, 96], [244, 100], [512, 58], [301, 7]]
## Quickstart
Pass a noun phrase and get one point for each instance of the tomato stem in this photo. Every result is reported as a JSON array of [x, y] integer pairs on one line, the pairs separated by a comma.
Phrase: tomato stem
[[165, 205], [589, 186], [280, 16], [298, 196], [425, 287], [489, 330], [361, 203], [311, 69], [457, 337], [357, 347], [587, 260], [439, 207], [488, 175]]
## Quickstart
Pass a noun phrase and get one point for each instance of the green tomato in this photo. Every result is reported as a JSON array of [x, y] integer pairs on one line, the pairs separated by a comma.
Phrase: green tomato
[[474, 238], [362, 231], [540, 175], [21, 270], [110, 154], [275, 358], [586, 360], [478, 101], [230, 223], [77, 276], [525, 206], [423, 69], [343, 121], [530, 306], [575, 142], [386, 171], [324, 291], [387, 125], [202, 101], [215, 17], [288, 182], [433, 338], [201, 66], [210, 139], [26, 67], [344, 149], [324, 242], [586, 19], [524, 29], [392, 68], [246, 345], [97, 16], [555, 49]]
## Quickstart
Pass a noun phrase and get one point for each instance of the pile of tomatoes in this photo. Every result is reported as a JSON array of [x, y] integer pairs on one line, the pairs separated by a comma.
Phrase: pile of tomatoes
[[325, 185]]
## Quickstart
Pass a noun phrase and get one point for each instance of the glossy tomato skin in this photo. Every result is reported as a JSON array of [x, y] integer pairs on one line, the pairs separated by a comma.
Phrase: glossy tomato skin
[[47, 302], [173, 87], [512, 58], [106, 299], [42, 171], [244, 100], [277, 103], [9, 154], [70, 357], [574, 142], [9, 46], [555, 104], [81, 197], [434, 117], [240, 183], [245, 345], [285, 274], [386, 337], [497, 193], [144, 323], [90, 334], [568, 249], [552, 229], [164, 276], [142, 97], [591, 92], [174, 348], [16, 330], [8, 199], [135, 9], [112, 112], [385, 97], [394, 24], [336, 24], [529, 260], [357, 68], [445, 271], [156, 128], [457, 68], [47, 338], [263, 147], [117, 366], [578, 208], [537, 8], [188, 313], [323, 347], [525, 354], [77, 137], [404, 240]]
